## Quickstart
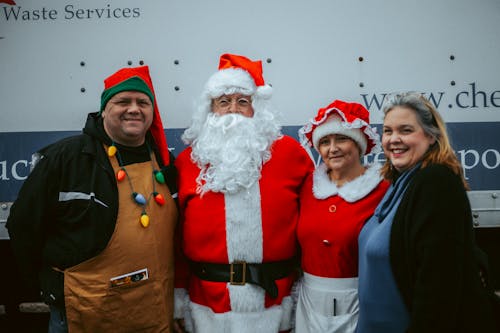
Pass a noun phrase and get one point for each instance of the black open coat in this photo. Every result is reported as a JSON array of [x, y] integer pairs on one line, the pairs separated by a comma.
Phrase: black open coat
[[433, 258]]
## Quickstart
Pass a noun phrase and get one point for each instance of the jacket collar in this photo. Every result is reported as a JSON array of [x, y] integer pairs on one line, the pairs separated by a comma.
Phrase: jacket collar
[[351, 191]]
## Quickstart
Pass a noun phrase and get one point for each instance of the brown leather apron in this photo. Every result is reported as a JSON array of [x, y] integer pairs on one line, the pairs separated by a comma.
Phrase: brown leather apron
[[129, 286]]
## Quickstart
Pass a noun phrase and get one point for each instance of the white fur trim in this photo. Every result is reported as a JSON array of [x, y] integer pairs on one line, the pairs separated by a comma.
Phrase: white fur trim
[[244, 225], [246, 298], [351, 191], [287, 314], [335, 126], [244, 242], [370, 132], [181, 302], [270, 320], [230, 81], [263, 92], [182, 310]]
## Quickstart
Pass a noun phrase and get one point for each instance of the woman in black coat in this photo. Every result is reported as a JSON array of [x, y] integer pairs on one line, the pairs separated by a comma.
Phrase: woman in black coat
[[418, 269]]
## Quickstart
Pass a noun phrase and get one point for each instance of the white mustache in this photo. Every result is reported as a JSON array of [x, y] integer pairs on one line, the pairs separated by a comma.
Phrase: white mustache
[[225, 122]]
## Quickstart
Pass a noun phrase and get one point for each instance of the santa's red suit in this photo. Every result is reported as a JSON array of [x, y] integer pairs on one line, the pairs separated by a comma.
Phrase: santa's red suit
[[255, 225]]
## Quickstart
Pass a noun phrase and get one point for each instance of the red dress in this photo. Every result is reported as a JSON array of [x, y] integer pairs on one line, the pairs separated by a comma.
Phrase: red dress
[[330, 220]]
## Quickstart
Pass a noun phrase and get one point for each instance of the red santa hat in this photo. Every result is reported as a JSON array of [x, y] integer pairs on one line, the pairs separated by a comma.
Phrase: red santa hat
[[138, 79], [238, 74], [346, 118]]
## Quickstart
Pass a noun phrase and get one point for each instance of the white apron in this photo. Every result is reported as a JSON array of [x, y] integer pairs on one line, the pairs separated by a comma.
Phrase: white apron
[[327, 305]]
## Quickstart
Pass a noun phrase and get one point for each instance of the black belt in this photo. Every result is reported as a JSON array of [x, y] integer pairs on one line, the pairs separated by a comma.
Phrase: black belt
[[241, 272]]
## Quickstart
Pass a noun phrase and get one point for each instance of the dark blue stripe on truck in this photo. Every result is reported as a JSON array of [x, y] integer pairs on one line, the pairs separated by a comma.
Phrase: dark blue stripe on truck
[[476, 144]]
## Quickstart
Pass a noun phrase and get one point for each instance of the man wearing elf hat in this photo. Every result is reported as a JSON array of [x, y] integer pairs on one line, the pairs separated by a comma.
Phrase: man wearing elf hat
[[239, 183], [94, 221]]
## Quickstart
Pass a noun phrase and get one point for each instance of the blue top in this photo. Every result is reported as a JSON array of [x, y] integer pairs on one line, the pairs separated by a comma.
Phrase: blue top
[[381, 307]]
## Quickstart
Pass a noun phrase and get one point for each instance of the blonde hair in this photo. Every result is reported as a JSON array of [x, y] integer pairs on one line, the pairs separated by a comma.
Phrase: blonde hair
[[433, 125]]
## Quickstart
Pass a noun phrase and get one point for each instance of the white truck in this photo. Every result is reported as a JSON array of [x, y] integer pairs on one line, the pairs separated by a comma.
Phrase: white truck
[[55, 54]]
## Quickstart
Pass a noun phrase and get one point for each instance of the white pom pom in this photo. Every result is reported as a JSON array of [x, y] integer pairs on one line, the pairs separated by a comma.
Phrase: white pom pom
[[264, 92]]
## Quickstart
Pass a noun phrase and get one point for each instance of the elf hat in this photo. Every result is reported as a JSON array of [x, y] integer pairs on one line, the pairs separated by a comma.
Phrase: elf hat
[[138, 79], [237, 74], [132, 84], [349, 119]]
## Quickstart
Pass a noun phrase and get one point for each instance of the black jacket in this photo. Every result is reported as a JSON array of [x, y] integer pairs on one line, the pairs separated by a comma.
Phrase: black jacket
[[432, 256], [47, 231]]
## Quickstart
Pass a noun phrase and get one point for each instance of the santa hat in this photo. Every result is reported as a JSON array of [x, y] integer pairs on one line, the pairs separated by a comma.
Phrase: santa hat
[[138, 79], [349, 119], [237, 74]]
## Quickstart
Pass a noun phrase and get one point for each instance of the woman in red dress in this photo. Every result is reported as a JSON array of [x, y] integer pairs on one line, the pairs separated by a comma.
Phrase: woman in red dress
[[336, 201]]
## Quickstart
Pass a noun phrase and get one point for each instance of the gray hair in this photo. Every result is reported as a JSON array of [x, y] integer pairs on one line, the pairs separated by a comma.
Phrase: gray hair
[[425, 112]]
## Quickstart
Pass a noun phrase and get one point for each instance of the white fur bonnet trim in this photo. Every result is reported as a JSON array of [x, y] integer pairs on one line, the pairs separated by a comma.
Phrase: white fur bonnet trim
[[334, 125]]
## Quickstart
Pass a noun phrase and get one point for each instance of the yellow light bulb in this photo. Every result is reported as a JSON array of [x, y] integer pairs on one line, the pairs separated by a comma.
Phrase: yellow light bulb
[[111, 151], [144, 220]]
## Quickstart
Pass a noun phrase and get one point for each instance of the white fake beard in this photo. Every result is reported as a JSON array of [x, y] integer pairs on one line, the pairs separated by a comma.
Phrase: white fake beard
[[230, 151]]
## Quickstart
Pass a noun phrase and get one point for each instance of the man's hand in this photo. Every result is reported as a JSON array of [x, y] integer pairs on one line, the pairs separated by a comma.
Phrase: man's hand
[[179, 326]]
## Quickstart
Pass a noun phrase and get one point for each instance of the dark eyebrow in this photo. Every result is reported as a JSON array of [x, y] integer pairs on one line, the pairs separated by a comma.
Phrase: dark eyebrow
[[129, 99], [122, 99]]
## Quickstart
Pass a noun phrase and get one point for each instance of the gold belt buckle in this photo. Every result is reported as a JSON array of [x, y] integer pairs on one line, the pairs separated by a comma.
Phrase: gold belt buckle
[[243, 273]]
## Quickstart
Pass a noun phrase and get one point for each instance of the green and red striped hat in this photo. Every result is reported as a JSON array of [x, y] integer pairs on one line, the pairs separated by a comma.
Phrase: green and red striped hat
[[138, 79]]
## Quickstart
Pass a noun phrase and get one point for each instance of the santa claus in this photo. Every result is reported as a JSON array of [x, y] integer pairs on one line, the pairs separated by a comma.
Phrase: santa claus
[[239, 182]]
